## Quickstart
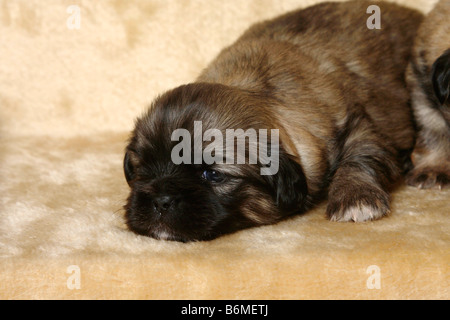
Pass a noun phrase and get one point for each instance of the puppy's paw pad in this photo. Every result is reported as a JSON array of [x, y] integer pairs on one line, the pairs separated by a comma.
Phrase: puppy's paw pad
[[359, 208], [428, 178]]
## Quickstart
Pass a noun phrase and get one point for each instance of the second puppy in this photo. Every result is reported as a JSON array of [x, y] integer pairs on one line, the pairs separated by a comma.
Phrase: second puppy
[[429, 81]]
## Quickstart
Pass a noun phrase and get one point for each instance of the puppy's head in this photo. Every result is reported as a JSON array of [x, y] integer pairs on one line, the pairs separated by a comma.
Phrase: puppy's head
[[195, 201]]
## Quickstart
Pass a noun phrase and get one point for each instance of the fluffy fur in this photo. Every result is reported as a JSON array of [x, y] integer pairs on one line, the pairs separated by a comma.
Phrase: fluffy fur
[[67, 104], [334, 89]]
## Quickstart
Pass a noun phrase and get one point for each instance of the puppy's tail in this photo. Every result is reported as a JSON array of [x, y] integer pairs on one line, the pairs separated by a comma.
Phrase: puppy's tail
[[441, 78]]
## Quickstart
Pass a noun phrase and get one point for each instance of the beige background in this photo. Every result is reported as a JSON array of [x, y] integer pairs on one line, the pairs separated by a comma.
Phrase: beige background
[[68, 99]]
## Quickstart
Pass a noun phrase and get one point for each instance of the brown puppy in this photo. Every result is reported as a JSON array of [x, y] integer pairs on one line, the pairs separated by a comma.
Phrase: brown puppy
[[336, 92], [429, 81]]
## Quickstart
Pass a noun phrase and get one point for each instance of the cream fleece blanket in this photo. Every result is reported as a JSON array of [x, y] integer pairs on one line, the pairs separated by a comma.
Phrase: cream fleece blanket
[[73, 76]]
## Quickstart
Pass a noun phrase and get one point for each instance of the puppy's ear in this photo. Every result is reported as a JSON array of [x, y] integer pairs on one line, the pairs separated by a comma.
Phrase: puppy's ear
[[441, 77], [290, 185], [129, 166]]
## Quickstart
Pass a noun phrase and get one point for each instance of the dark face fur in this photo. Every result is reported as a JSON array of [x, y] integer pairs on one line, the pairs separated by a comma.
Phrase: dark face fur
[[190, 202], [441, 82]]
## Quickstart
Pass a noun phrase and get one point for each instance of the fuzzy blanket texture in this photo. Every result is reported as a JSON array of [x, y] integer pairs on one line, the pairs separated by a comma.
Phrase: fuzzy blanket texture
[[70, 91]]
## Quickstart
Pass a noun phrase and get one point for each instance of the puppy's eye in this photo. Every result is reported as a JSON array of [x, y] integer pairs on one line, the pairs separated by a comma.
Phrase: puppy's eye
[[213, 176]]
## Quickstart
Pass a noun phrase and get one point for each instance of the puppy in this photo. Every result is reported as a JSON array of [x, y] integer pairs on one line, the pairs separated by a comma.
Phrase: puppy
[[334, 91], [429, 80]]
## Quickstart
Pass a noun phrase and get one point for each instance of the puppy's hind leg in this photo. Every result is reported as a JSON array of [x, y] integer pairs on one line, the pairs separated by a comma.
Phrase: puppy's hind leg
[[362, 174]]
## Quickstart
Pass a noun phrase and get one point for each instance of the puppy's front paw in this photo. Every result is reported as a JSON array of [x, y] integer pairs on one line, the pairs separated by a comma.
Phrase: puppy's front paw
[[358, 205], [428, 178]]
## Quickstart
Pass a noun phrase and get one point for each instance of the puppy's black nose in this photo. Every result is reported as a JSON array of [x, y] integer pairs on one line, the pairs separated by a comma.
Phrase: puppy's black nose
[[162, 204]]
